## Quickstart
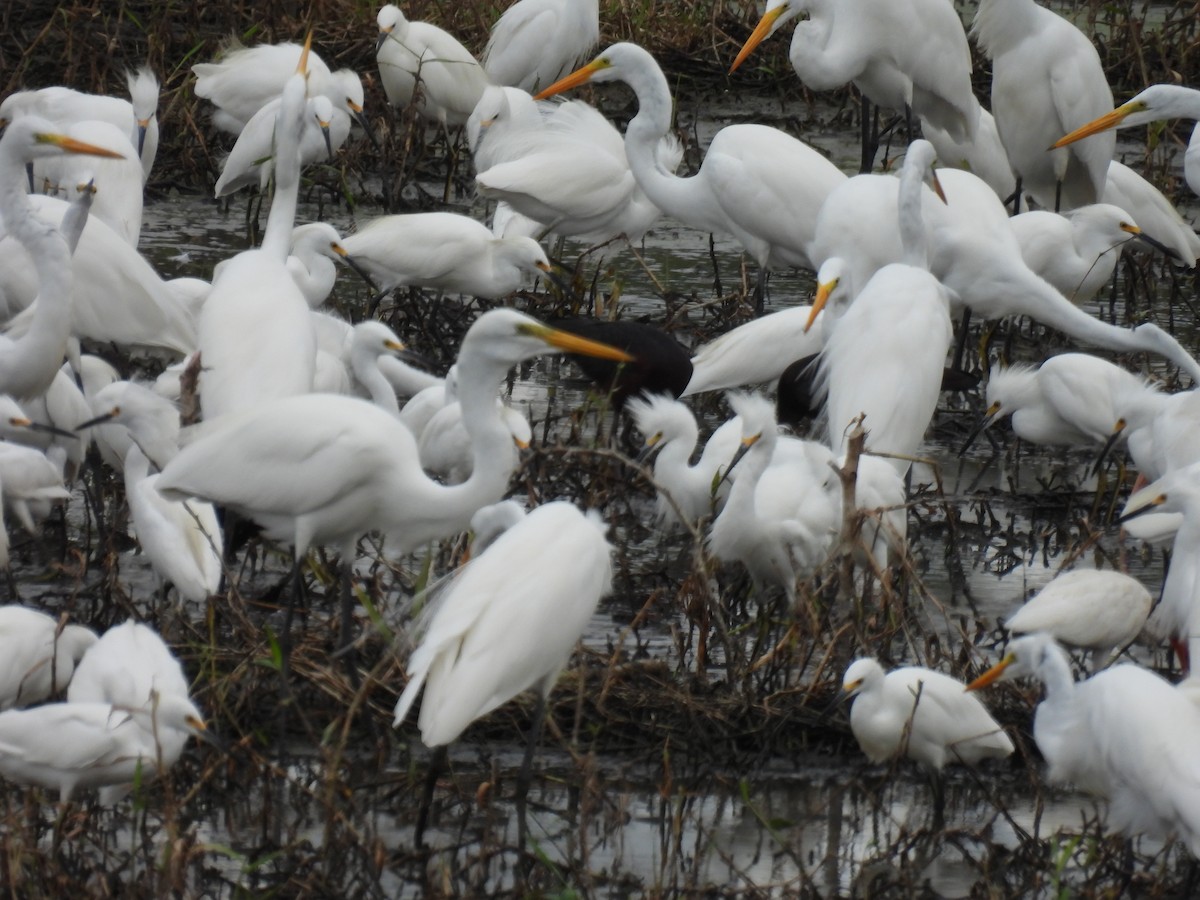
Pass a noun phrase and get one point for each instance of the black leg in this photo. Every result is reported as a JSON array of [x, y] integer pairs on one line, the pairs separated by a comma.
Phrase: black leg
[[525, 777], [1016, 198], [437, 765]]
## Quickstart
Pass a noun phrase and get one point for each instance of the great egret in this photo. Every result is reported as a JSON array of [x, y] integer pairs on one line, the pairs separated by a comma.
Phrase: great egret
[[755, 352], [316, 469], [779, 520], [117, 297], [451, 79], [1046, 80], [902, 55], [1070, 399], [117, 200], [922, 714], [536, 42], [446, 251], [561, 168], [131, 668], [974, 253], [1094, 609], [68, 746], [885, 356], [182, 539], [760, 185], [506, 623], [256, 338], [1077, 251], [29, 363], [1125, 734], [30, 482], [38, 657], [671, 433], [136, 118], [1155, 103]]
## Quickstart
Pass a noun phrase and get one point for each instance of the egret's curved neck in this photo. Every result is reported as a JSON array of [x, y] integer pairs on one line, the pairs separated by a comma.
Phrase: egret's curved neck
[[676, 197], [366, 370], [820, 59], [1055, 672]]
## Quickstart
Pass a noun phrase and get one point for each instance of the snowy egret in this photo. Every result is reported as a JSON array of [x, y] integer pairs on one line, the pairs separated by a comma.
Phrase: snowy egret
[[922, 714], [1153, 212], [1071, 399], [536, 42], [1125, 734], [30, 482], [1046, 80], [316, 249], [779, 519], [760, 185], [451, 79], [68, 746], [446, 251], [1098, 610], [181, 538], [251, 161], [131, 668], [671, 432], [1155, 103], [1177, 615], [29, 363], [1077, 251], [39, 657], [255, 334]]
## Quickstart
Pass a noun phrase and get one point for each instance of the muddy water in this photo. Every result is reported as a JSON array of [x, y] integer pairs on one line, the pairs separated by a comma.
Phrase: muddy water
[[823, 822]]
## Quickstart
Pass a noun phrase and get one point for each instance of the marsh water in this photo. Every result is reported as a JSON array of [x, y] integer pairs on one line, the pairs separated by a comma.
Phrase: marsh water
[[664, 817]]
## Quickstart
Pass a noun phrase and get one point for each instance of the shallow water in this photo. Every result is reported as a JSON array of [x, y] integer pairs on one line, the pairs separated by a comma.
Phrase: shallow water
[[824, 822]]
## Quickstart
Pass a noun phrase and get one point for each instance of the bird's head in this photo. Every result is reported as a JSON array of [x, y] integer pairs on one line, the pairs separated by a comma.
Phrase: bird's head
[[776, 13]]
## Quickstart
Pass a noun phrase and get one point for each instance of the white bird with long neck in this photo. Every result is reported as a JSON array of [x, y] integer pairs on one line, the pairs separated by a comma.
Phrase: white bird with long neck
[[181, 538], [451, 79], [1047, 79], [136, 118], [256, 339], [1155, 103], [902, 55], [885, 356], [760, 185], [29, 363], [1125, 734], [37, 656]]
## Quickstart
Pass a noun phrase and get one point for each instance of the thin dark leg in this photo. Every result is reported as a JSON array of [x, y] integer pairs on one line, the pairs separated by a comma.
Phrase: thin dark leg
[[1017, 197], [437, 765], [960, 346], [345, 638], [523, 781], [869, 138], [938, 783], [760, 290], [1058, 196]]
